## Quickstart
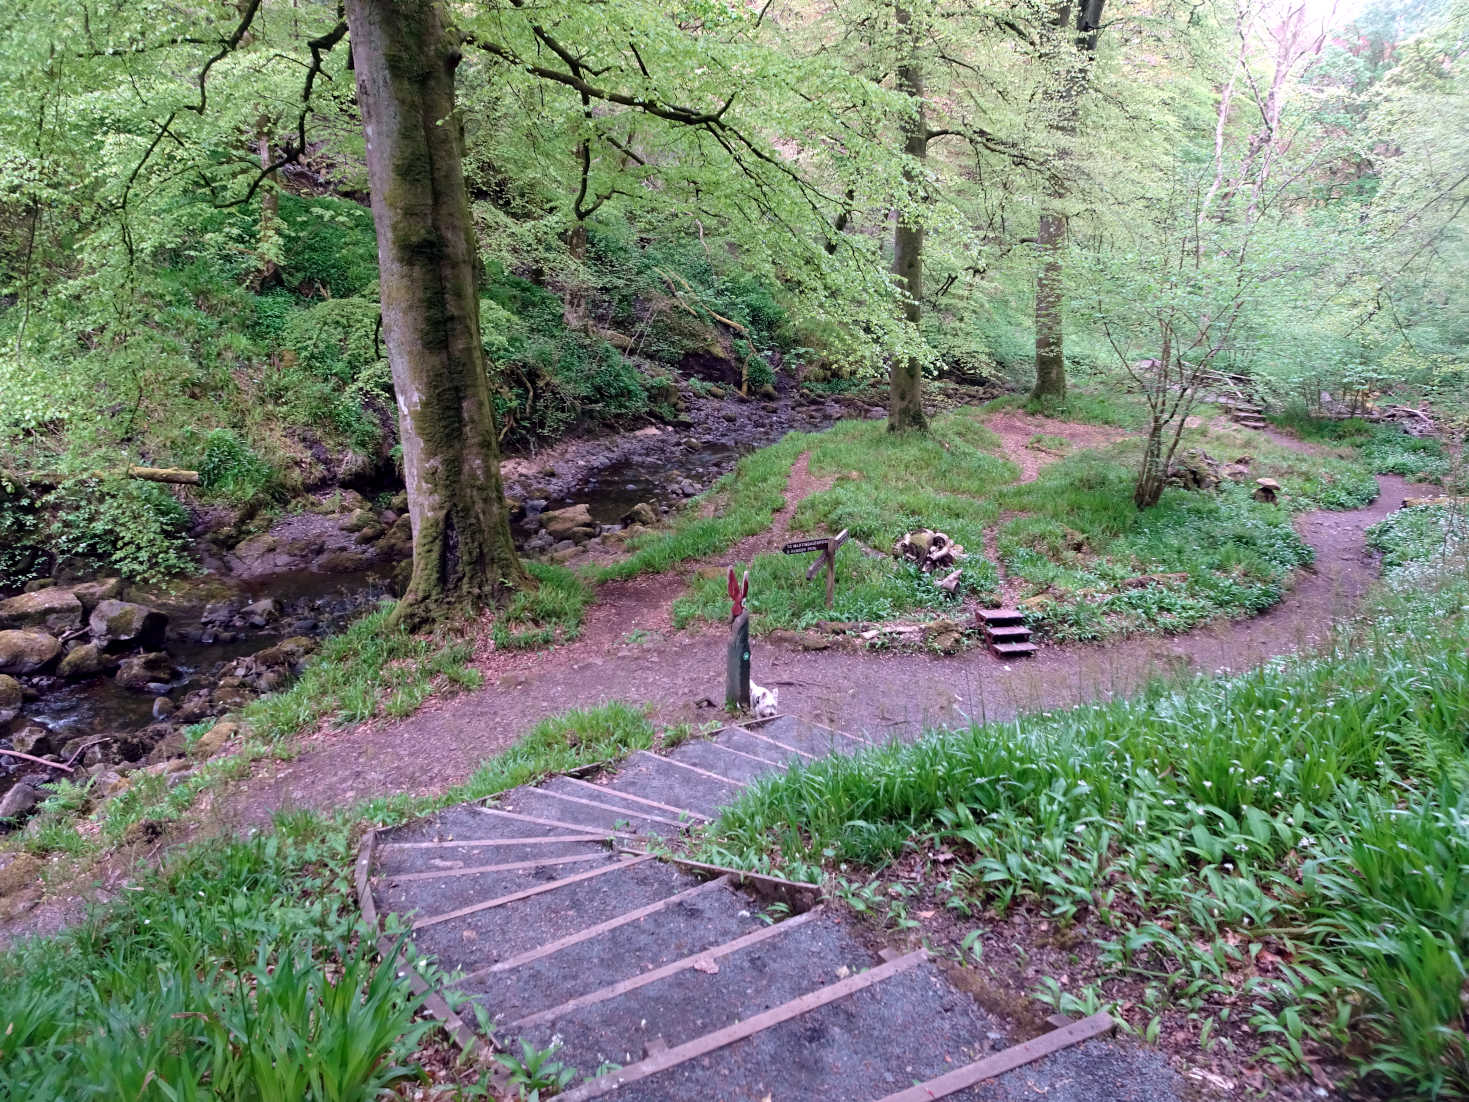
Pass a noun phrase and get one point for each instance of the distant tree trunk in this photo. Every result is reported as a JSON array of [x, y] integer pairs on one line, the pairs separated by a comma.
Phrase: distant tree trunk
[[574, 310], [269, 211], [1050, 362], [905, 377], [463, 558], [1074, 61]]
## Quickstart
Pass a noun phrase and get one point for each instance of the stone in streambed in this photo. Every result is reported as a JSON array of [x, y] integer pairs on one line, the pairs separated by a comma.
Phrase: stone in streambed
[[561, 523], [23, 652], [121, 624], [18, 801], [32, 739], [11, 698], [53, 610], [86, 660], [142, 670], [92, 594]]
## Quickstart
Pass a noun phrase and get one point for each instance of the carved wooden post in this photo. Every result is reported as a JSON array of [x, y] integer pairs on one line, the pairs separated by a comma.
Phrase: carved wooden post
[[737, 666]]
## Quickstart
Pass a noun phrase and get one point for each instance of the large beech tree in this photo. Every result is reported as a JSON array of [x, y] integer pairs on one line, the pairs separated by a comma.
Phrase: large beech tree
[[1080, 22], [405, 55]]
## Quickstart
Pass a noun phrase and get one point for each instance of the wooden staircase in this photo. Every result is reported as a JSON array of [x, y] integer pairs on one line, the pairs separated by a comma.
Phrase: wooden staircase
[[1235, 393], [1005, 632]]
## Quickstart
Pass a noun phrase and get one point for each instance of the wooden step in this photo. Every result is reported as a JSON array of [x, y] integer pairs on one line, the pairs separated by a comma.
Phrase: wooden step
[[1008, 633], [998, 616], [1012, 650], [1011, 1058]]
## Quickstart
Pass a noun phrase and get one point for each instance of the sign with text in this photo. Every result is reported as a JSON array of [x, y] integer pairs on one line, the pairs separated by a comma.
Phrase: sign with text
[[828, 548]]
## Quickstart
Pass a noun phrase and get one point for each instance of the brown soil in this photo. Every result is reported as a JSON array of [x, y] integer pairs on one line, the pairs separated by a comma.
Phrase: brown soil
[[1016, 430], [880, 693]]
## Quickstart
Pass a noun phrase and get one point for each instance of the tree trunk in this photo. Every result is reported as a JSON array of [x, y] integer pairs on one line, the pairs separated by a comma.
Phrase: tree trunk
[[463, 557], [1151, 475], [269, 212], [1074, 60], [905, 377], [1050, 363], [574, 311]]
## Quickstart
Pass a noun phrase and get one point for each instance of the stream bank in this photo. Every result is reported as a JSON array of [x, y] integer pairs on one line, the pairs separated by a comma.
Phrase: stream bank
[[109, 704]]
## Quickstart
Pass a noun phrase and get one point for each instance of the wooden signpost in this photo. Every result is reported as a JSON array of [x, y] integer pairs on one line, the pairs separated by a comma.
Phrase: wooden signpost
[[828, 548]]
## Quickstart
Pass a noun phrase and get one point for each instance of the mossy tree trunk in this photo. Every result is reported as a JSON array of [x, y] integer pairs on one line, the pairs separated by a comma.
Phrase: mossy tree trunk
[[1050, 361], [1078, 21], [905, 377], [405, 56]]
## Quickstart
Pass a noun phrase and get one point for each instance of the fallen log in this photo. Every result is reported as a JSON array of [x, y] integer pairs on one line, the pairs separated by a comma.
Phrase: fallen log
[[177, 476]]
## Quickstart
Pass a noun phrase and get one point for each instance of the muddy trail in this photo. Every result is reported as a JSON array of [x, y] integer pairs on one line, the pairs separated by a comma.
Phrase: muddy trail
[[880, 694]]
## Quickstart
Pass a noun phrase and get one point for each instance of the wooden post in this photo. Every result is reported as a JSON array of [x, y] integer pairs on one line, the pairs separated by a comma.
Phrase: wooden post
[[828, 559], [737, 670]]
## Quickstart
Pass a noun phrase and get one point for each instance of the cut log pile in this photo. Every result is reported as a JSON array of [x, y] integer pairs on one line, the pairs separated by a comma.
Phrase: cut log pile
[[933, 551], [1196, 469]]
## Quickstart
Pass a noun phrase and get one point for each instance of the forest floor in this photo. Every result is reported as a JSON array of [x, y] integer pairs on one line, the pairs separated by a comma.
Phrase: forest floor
[[629, 651]]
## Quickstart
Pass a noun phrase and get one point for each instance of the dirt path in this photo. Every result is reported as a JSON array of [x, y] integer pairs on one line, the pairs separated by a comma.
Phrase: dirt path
[[878, 693], [1017, 430]]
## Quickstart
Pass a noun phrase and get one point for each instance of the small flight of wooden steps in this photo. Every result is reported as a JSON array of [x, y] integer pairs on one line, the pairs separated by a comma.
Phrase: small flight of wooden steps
[[1005, 632]]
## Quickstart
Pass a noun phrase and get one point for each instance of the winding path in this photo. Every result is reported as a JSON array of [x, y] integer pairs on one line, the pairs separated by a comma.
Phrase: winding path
[[876, 693]]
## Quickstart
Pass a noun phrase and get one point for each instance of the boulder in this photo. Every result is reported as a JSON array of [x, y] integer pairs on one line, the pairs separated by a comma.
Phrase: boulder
[[213, 740], [261, 612], [163, 708], [142, 670], [91, 594], [18, 801], [562, 522], [288, 652], [23, 652], [11, 698], [19, 872], [170, 745], [1267, 490], [118, 625], [641, 513], [109, 782], [32, 739], [358, 520], [54, 610], [86, 660]]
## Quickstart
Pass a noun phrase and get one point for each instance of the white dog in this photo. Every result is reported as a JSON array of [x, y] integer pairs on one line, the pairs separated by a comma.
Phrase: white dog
[[763, 701]]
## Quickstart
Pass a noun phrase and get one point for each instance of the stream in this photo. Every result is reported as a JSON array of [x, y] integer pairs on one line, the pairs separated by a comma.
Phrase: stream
[[292, 591]]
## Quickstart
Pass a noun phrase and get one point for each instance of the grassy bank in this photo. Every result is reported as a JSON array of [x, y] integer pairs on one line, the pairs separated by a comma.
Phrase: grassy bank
[[1273, 862], [1085, 562], [240, 971]]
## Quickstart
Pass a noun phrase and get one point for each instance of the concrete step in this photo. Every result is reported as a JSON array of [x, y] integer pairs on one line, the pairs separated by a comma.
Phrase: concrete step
[[737, 738], [657, 778], [1009, 633], [999, 616], [1012, 650], [588, 812], [706, 992], [909, 1025], [721, 761], [697, 917], [603, 792], [810, 738], [482, 936]]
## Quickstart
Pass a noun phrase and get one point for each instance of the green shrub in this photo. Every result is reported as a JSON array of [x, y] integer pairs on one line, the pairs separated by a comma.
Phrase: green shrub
[[134, 528], [237, 974], [329, 245], [230, 467]]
